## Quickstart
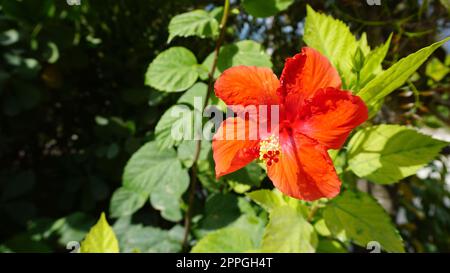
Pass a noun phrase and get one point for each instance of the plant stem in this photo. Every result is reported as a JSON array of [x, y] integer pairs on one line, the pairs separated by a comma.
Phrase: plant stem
[[198, 144], [314, 208]]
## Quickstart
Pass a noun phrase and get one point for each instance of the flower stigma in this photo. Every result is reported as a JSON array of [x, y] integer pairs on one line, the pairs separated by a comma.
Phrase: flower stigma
[[270, 150]]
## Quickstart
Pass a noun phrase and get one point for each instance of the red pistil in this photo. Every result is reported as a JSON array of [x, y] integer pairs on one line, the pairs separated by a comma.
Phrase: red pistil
[[271, 157]]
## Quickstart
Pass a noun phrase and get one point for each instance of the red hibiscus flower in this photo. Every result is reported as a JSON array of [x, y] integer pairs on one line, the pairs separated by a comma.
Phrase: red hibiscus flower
[[314, 116]]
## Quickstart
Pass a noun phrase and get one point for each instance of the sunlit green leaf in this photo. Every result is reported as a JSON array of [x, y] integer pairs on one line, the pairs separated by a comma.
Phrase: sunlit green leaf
[[100, 239], [396, 75], [242, 236], [332, 38], [288, 231], [363, 44], [194, 23], [372, 65], [267, 199], [173, 70], [271, 199], [387, 153], [322, 228], [436, 69], [363, 221], [330, 246]]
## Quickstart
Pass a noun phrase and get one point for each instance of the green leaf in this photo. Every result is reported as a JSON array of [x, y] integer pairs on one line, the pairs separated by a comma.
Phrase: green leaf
[[372, 66], [220, 211], [241, 53], [265, 8], [174, 126], [387, 153], [173, 70], [126, 201], [186, 151], [100, 239], [155, 97], [363, 221], [322, 228], [242, 236], [225, 240], [141, 171], [177, 123], [358, 59], [339, 160], [396, 75], [250, 175], [147, 239], [288, 232], [333, 39], [363, 44], [330, 246], [270, 200], [217, 13], [195, 94], [207, 174], [267, 199], [436, 69], [166, 196], [194, 23], [156, 173]]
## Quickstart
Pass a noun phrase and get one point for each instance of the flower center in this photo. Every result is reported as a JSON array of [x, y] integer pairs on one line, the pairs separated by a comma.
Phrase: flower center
[[270, 150]]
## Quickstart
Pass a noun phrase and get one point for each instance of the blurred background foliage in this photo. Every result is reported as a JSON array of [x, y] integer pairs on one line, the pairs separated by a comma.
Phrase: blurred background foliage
[[74, 108]]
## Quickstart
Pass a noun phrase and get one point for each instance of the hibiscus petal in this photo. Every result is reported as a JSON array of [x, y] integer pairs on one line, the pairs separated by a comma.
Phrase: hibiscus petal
[[234, 145], [304, 170], [303, 75], [247, 85], [330, 115]]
